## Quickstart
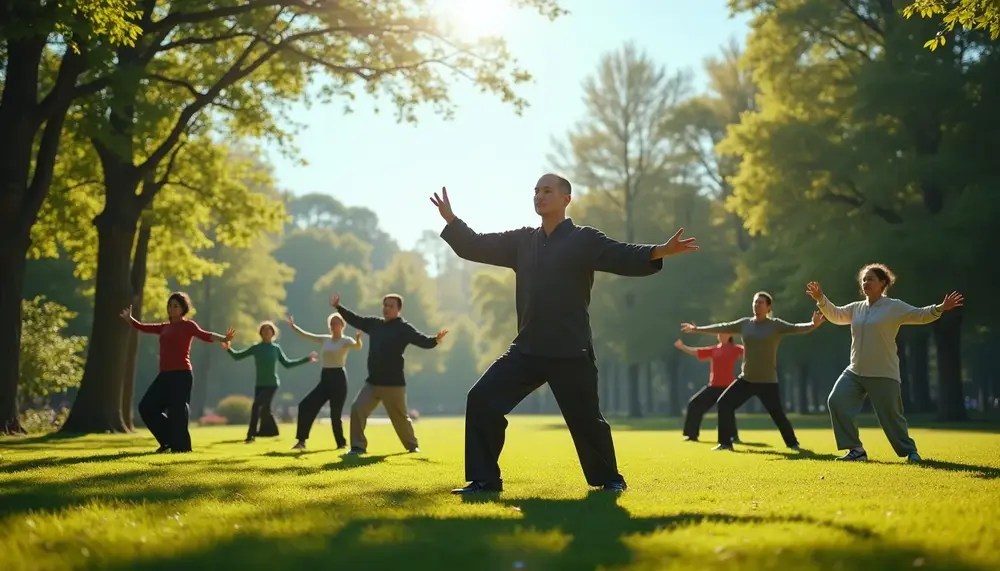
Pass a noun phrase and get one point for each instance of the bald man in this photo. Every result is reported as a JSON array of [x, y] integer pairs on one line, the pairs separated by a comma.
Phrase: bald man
[[555, 264]]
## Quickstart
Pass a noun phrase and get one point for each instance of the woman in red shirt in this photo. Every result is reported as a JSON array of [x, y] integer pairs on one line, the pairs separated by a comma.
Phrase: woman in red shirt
[[164, 407], [722, 361]]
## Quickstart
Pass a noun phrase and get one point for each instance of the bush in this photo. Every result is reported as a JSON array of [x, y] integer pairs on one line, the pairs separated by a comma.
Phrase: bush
[[43, 420], [50, 362], [236, 409]]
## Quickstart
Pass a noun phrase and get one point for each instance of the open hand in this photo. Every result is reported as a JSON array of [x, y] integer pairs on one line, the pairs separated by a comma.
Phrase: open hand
[[290, 321], [678, 343], [357, 336], [441, 335], [688, 327], [335, 299], [312, 357], [443, 205], [814, 291], [677, 245], [951, 301], [225, 345], [127, 313], [230, 333], [818, 317]]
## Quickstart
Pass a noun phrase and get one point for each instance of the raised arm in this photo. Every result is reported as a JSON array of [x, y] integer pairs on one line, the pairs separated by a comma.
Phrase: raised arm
[[153, 328], [290, 363], [356, 321], [358, 344], [835, 314], [305, 334], [906, 314], [240, 355], [694, 352], [621, 258], [495, 248], [731, 327], [786, 328]]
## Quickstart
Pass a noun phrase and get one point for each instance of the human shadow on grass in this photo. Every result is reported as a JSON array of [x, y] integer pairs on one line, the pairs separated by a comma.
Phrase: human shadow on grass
[[984, 472], [62, 441], [23, 495], [9, 467], [543, 534], [803, 454]]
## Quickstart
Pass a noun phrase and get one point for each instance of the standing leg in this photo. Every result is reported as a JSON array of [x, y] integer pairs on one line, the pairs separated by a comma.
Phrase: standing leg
[[338, 394], [362, 407], [887, 400], [696, 409], [151, 409], [268, 425], [255, 408], [732, 398], [574, 385], [770, 396], [394, 401], [309, 408], [505, 384], [178, 410], [844, 403]]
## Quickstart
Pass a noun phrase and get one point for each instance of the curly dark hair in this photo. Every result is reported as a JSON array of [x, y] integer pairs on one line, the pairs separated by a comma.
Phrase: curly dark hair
[[882, 273]]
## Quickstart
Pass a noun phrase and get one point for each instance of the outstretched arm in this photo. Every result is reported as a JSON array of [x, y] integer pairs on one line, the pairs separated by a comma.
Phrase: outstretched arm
[[731, 327], [208, 336], [693, 351], [290, 363], [622, 258], [154, 328], [240, 355], [836, 314], [356, 321], [495, 248], [417, 338], [786, 328], [305, 334]]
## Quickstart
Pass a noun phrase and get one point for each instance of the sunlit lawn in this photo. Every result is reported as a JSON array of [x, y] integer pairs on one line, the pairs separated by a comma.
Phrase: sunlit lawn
[[106, 502]]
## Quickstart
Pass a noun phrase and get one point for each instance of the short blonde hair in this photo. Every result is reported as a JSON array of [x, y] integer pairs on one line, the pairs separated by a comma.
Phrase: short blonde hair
[[336, 315]]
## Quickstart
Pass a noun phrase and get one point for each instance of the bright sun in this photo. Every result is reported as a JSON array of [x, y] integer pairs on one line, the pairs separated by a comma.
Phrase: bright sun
[[474, 19]]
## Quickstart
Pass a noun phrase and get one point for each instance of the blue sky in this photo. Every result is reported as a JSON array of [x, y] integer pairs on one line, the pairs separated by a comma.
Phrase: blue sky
[[488, 157]]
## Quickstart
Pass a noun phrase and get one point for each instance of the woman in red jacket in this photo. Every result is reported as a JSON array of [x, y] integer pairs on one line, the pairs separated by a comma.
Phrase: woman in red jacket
[[722, 359], [164, 407]]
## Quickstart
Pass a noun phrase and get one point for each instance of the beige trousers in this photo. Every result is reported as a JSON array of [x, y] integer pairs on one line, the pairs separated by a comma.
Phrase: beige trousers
[[394, 401]]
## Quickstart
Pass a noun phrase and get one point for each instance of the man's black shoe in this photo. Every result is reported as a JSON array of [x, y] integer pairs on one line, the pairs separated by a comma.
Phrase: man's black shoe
[[615, 486], [480, 487]]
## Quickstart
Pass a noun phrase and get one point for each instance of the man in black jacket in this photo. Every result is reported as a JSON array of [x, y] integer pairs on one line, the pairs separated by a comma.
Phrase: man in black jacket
[[555, 267], [388, 337]]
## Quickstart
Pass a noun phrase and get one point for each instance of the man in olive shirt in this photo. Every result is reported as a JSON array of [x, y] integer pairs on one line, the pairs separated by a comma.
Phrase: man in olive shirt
[[388, 337], [555, 267]]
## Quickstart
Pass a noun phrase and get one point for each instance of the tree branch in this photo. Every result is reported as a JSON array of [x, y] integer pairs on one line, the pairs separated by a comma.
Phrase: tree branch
[[177, 83], [886, 214], [183, 43], [866, 21], [177, 18]]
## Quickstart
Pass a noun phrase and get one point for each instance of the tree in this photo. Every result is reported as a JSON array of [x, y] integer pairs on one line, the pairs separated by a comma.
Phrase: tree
[[50, 362], [44, 48], [323, 211], [243, 60], [621, 148], [493, 299], [855, 124], [969, 14]]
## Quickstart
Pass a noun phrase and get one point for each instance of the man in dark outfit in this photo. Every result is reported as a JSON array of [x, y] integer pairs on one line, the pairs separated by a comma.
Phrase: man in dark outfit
[[388, 337], [555, 267]]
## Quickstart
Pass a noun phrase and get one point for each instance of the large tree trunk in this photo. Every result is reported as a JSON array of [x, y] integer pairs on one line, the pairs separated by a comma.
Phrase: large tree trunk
[[919, 369], [26, 166], [138, 282], [98, 406], [948, 340], [11, 286], [803, 388]]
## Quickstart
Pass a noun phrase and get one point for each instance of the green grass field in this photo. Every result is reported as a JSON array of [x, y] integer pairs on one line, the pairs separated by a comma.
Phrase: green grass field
[[106, 502]]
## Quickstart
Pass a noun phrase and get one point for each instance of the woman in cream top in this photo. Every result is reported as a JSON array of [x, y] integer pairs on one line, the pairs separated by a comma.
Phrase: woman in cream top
[[874, 368], [332, 385]]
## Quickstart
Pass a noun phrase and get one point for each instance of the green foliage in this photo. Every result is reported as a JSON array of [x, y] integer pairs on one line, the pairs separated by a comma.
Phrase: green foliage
[[50, 362], [235, 408], [969, 14], [40, 421]]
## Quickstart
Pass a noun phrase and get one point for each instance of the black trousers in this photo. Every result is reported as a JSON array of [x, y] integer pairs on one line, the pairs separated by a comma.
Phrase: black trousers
[[261, 408], [332, 387], [507, 382], [699, 404], [164, 409], [738, 394]]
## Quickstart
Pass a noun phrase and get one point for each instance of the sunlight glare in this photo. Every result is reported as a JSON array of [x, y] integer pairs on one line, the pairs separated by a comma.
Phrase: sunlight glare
[[474, 19]]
